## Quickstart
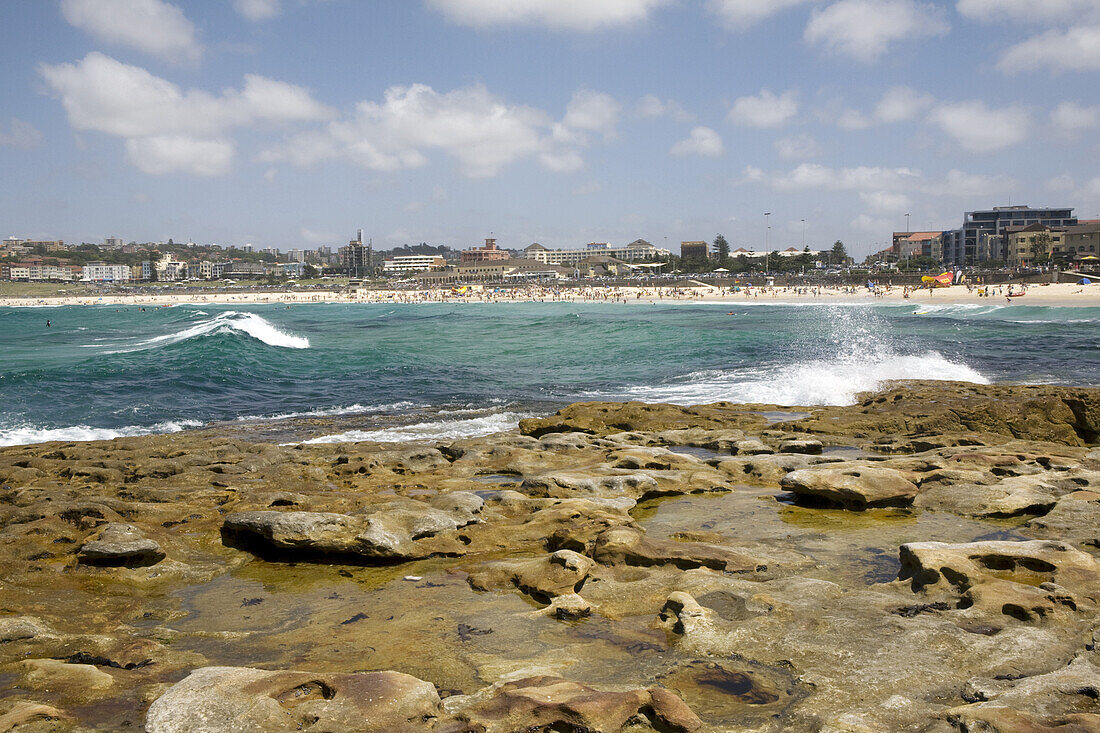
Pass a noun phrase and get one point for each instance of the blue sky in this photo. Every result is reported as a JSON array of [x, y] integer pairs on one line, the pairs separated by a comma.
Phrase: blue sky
[[291, 123]]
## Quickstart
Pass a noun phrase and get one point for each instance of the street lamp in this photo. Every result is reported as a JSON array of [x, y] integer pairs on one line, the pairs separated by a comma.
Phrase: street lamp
[[767, 237], [803, 234]]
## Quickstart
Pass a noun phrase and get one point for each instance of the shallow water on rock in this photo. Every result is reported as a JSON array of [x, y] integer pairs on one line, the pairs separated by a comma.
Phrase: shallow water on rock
[[851, 548]]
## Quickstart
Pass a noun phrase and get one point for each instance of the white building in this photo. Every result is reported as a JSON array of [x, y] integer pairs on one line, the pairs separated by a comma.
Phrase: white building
[[413, 263], [637, 251], [296, 255], [102, 272]]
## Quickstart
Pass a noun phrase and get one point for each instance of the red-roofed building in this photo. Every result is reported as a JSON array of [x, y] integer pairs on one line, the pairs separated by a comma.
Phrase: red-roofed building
[[488, 253]]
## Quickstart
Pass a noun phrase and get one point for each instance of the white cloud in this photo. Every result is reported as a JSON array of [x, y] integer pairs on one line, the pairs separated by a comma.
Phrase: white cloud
[[815, 176], [1076, 49], [877, 183], [853, 119], [151, 26], [258, 10], [764, 110], [864, 29], [653, 106], [1070, 117], [21, 135], [1063, 182], [977, 128], [900, 104], [479, 130], [1029, 11], [961, 184], [886, 202], [162, 123], [161, 154], [702, 141], [578, 15], [594, 111], [798, 147], [740, 14], [872, 225]]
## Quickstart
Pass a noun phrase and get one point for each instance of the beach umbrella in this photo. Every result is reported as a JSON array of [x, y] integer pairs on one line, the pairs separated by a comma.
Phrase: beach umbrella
[[1084, 281]]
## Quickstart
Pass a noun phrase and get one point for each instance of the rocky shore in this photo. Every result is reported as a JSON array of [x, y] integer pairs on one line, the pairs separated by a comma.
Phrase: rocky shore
[[924, 560]]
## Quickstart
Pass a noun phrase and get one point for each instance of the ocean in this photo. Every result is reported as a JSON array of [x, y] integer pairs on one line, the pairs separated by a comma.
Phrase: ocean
[[402, 372]]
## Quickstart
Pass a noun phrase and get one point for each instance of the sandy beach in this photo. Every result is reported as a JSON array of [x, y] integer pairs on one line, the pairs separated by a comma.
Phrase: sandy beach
[[1055, 294]]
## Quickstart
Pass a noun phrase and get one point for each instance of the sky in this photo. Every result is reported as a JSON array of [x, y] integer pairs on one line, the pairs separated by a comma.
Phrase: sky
[[293, 123]]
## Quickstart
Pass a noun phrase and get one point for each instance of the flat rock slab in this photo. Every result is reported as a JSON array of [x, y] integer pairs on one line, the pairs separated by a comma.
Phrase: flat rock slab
[[853, 487], [120, 545], [556, 704], [389, 533], [1030, 581], [232, 699]]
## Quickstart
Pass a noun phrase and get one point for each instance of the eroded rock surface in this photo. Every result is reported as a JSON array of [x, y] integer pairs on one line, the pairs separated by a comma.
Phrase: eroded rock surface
[[618, 567]]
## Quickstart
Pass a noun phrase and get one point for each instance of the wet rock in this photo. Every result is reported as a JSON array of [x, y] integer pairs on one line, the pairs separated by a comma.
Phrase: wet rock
[[1063, 700], [81, 681], [553, 703], [1009, 498], [24, 713], [751, 448], [1029, 581], [733, 691], [389, 532], [23, 628], [1075, 517], [120, 545], [607, 418], [801, 445], [544, 578], [224, 699], [569, 606], [631, 485], [853, 487], [630, 546]]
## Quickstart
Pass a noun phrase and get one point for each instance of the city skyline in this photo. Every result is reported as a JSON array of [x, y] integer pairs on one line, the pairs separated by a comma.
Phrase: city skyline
[[557, 122]]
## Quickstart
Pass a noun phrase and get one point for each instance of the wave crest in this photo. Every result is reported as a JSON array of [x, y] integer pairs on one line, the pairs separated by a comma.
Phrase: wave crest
[[249, 324]]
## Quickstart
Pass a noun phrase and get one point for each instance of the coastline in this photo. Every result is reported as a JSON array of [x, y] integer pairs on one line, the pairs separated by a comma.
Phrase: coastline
[[663, 555], [1054, 295]]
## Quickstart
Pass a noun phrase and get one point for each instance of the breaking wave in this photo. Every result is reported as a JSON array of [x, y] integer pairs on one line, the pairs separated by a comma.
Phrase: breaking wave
[[28, 434], [248, 324], [443, 430], [819, 382]]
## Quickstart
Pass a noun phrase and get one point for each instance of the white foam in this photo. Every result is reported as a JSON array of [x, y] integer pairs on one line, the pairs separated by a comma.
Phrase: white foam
[[444, 430], [28, 434], [355, 409], [250, 324], [817, 382]]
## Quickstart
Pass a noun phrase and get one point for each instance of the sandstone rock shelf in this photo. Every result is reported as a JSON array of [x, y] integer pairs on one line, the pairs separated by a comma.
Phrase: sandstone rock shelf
[[923, 560]]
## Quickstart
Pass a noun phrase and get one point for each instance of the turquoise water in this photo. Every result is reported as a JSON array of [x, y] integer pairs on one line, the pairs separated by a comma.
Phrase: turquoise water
[[447, 370]]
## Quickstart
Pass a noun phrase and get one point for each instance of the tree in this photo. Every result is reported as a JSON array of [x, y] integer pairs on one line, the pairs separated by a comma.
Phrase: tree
[[721, 248], [838, 255], [1040, 248]]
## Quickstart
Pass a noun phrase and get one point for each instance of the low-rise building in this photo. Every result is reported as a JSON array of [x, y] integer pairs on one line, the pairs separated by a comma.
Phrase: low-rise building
[[1083, 240], [413, 263], [1026, 244], [637, 251], [694, 250], [498, 271], [487, 253], [102, 272]]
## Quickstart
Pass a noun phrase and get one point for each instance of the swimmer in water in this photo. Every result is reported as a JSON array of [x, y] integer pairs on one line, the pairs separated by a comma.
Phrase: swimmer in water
[[47, 323]]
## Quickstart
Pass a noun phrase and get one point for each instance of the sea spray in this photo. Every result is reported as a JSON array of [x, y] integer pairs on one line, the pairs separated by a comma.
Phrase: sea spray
[[431, 364]]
